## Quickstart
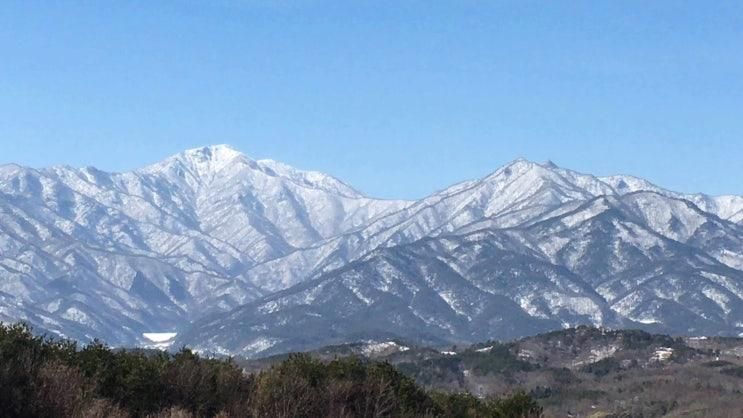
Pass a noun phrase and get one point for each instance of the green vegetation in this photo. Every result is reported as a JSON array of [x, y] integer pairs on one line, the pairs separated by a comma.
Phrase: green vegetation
[[603, 367], [466, 405], [44, 377], [562, 370], [717, 363], [734, 371], [432, 371], [497, 360]]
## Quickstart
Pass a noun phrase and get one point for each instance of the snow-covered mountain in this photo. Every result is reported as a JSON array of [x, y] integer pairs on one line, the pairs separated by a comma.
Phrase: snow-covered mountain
[[598, 263], [84, 253], [264, 258], [535, 245]]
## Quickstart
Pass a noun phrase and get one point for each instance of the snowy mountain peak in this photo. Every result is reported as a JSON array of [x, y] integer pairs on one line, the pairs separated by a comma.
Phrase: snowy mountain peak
[[524, 171], [215, 153], [196, 165], [515, 167], [208, 159], [522, 165]]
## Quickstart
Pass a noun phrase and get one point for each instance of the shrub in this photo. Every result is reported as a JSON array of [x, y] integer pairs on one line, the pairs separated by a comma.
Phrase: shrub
[[603, 367], [43, 377]]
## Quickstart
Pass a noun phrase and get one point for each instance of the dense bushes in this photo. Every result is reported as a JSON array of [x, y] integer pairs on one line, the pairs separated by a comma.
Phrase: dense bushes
[[41, 377], [466, 405], [54, 379], [498, 359], [302, 386], [603, 367], [734, 371]]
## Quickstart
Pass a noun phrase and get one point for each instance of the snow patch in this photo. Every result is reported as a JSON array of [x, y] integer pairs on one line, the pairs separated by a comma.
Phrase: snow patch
[[372, 348], [160, 340], [662, 354], [259, 345], [159, 337]]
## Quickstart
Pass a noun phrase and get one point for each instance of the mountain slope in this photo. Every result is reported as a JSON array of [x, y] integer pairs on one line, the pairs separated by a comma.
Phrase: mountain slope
[[120, 254], [513, 195], [626, 260], [212, 236]]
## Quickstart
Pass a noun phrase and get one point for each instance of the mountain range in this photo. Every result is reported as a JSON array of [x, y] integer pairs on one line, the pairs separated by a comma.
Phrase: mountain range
[[253, 257]]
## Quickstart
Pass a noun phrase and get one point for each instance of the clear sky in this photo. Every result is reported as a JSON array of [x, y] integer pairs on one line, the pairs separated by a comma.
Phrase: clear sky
[[397, 98]]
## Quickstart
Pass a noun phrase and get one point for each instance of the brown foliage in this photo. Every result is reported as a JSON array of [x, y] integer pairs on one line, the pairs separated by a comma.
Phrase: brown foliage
[[102, 408], [60, 390], [173, 412]]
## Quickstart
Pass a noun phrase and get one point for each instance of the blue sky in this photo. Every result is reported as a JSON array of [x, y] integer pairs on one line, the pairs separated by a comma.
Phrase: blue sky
[[397, 98]]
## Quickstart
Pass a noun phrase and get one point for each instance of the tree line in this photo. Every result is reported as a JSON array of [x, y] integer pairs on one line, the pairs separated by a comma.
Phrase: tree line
[[45, 377]]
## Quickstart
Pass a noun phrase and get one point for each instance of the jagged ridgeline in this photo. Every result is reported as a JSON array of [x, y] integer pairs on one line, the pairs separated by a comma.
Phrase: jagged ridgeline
[[253, 257], [45, 378]]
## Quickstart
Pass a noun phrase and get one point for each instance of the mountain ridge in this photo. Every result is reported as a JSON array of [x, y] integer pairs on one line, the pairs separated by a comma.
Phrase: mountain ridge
[[209, 231]]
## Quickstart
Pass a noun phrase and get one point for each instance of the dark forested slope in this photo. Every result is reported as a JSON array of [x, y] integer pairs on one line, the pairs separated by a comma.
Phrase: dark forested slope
[[45, 378]]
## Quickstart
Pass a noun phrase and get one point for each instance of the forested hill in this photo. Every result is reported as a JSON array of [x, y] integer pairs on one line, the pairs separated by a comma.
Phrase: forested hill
[[583, 371], [580, 372], [45, 378]]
